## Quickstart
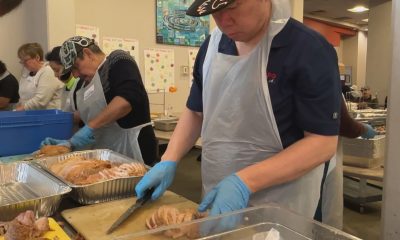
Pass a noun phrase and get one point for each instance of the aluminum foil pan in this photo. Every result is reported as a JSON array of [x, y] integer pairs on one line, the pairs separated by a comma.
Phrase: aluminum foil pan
[[24, 186], [105, 191]]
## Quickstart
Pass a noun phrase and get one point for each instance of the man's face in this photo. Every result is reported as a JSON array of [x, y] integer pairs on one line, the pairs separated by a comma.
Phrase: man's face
[[85, 67], [243, 20], [366, 92]]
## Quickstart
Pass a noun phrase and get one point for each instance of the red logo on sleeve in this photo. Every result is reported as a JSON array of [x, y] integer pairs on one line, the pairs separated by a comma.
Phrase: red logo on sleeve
[[271, 77]]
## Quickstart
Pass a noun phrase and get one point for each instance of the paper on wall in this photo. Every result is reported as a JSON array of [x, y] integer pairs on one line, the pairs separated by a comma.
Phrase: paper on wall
[[127, 44], [110, 44], [132, 46], [159, 69], [91, 32]]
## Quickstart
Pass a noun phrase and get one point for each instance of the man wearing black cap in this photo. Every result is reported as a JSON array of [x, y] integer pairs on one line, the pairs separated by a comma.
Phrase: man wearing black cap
[[112, 102], [266, 102]]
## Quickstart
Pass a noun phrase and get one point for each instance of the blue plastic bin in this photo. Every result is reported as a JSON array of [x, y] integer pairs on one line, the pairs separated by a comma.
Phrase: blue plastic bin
[[22, 132]]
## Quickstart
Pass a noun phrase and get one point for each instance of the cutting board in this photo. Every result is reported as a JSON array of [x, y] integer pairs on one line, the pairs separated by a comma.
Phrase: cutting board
[[55, 233], [93, 221]]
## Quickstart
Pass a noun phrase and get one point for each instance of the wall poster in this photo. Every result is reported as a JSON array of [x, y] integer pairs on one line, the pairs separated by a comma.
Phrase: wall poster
[[91, 32], [159, 69], [176, 28], [127, 44]]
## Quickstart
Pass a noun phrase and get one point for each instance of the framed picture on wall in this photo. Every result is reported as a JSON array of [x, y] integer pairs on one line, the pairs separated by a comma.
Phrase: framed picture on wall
[[176, 28]]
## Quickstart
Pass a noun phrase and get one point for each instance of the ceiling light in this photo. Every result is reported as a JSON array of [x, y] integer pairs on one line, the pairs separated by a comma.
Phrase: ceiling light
[[365, 20], [358, 9]]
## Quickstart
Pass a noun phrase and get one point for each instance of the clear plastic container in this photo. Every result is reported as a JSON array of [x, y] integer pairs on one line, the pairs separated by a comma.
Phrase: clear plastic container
[[248, 224]]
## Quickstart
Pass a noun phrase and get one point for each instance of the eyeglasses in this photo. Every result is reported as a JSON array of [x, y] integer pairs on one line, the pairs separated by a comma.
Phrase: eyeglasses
[[23, 61]]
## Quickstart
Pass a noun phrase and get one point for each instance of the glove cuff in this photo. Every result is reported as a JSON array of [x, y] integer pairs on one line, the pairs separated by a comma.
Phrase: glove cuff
[[242, 185], [169, 163]]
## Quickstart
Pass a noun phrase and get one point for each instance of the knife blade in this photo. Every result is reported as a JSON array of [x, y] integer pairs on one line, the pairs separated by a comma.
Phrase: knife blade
[[139, 203]]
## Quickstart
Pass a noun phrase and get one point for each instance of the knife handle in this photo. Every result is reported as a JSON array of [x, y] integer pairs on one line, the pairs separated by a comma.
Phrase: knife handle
[[147, 196]]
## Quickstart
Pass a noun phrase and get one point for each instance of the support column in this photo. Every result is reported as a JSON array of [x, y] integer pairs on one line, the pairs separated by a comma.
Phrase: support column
[[297, 9], [391, 189]]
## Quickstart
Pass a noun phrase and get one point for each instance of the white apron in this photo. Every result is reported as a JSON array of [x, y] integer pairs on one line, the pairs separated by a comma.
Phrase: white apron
[[332, 196], [67, 98], [91, 102], [10, 105], [239, 127]]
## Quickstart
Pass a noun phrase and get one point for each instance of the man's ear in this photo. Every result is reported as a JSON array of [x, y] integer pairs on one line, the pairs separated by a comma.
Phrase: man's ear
[[87, 52]]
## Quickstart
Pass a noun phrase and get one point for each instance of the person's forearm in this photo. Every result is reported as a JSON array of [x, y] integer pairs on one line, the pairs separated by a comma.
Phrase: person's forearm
[[186, 133], [77, 117], [4, 102], [116, 109], [348, 126], [291, 163]]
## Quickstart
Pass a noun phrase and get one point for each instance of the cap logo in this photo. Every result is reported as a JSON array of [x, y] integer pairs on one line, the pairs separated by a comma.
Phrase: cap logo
[[217, 3], [202, 8], [214, 5]]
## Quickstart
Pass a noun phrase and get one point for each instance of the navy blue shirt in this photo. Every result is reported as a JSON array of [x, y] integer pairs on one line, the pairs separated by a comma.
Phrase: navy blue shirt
[[303, 80]]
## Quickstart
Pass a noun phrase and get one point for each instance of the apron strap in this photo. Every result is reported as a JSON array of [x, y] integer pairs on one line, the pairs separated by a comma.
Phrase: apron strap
[[136, 148]]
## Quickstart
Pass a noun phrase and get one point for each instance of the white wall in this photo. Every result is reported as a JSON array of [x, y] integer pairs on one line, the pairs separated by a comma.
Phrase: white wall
[[350, 55], [391, 189], [379, 49], [27, 23], [61, 21], [362, 58], [297, 9], [354, 54], [339, 52]]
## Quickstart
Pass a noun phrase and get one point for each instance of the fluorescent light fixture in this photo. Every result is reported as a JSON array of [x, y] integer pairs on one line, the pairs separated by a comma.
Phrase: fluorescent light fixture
[[365, 20], [358, 9]]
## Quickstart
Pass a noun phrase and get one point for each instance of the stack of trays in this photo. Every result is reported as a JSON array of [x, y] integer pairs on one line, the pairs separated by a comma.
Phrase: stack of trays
[[165, 124], [24, 186], [109, 190], [366, 153]]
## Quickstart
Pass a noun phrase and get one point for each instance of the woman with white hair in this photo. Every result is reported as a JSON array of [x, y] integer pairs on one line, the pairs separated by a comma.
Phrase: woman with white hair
[[38, 87]]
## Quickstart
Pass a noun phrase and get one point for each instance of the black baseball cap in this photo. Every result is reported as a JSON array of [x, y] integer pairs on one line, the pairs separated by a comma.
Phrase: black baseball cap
[[201, 8]]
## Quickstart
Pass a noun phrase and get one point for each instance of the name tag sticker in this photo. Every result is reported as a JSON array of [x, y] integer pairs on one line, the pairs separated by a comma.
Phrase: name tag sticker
[[88, 93]]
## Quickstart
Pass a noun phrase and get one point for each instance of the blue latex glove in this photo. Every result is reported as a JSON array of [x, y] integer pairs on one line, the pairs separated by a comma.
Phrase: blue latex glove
[[229, 195], [160, 177], [369, 132], [52, 141], [82, 138]]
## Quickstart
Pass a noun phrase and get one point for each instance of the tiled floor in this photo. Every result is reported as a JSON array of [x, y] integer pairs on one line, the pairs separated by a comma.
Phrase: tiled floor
[[366, 226]]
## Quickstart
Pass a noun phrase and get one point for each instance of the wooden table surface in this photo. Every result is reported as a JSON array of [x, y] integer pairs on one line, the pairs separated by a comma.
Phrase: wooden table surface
[[93, 221]]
